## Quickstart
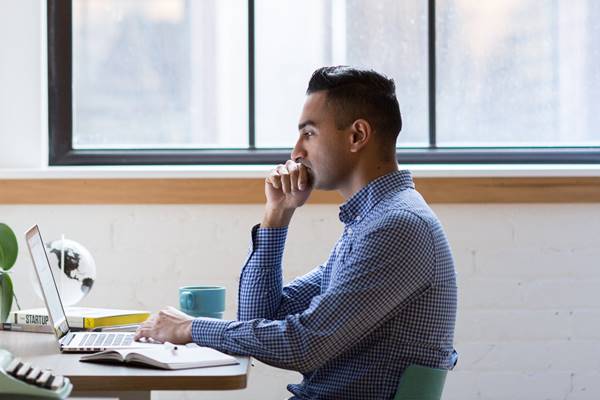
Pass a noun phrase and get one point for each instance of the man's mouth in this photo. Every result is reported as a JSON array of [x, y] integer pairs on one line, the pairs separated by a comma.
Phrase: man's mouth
[[304, 162], [308, 166]]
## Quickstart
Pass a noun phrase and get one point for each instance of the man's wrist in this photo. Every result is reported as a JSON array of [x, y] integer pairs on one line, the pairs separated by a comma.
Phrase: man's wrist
[[277, 218], [188, 331]]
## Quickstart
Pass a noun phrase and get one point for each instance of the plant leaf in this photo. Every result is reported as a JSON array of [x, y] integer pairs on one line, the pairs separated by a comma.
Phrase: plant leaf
[[6, 296], [8, 247]]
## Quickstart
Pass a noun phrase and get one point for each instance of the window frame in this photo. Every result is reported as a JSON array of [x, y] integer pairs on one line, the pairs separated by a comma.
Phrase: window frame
[[60, 120]]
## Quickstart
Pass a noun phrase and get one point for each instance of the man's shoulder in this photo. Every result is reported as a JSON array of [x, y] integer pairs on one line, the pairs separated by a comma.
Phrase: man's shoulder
[[394, 236], [399, 219], [406, 206]]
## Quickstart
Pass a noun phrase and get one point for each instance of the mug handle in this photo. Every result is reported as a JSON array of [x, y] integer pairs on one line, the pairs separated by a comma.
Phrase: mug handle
[[187, 300]]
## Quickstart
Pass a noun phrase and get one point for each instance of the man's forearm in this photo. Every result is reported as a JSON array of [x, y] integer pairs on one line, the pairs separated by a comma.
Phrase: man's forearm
[[276, 218], [261, 278]]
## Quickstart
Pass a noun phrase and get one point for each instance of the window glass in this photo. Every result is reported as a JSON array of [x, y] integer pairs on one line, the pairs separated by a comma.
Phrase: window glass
[[160, 73], [296, 37], [518, 72], [174, 73]]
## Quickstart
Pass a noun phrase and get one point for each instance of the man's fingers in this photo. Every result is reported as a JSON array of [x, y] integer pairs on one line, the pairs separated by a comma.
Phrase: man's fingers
[[274, 177], [274, 180], [281, 169], [145, 329], [289, 178], [292, 167], [282, 176], [302, 177], [286, 185], [142, 332], [149, 334]]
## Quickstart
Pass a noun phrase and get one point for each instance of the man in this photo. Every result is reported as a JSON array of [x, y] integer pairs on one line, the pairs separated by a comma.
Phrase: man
[[385, 298]]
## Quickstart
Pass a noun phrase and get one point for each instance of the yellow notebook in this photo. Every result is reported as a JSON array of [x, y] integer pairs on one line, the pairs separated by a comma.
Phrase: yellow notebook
[[81, 317]]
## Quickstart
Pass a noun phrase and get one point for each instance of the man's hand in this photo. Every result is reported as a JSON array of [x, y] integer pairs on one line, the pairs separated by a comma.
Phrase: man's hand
[[287, 187], [168, 325]]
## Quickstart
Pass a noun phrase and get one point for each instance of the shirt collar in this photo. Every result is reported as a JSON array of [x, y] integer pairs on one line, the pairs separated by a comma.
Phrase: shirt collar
[[366, 198]]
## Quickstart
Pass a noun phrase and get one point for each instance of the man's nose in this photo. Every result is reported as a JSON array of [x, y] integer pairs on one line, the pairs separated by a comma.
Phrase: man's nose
[[298, 152]]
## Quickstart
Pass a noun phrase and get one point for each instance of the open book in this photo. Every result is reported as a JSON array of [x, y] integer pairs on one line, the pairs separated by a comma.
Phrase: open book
[[165, 357]]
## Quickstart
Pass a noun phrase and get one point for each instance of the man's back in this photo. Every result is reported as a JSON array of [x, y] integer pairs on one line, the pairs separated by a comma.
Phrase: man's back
[[388, 218]]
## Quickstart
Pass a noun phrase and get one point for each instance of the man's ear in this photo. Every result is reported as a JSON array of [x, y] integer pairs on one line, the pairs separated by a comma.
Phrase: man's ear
[[360, 134]]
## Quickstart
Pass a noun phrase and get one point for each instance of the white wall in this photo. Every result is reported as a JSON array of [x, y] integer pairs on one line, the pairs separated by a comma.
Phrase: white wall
[[529, 312], [23, 121]]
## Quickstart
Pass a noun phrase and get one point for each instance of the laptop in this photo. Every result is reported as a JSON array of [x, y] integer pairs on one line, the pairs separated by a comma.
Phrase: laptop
[[69, 341]]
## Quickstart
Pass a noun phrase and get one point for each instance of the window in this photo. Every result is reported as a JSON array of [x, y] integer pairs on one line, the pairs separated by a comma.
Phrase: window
[[302, 36], [518, 73], [223, 81]]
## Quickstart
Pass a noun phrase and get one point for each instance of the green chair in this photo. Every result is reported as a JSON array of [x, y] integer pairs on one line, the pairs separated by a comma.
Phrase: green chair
[[421, 383]]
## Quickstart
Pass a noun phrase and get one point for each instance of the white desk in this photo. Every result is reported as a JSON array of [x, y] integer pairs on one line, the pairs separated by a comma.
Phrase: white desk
[[126, 383]]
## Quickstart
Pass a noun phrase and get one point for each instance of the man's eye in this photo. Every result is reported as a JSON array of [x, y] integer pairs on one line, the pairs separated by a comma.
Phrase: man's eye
[[308, 133]]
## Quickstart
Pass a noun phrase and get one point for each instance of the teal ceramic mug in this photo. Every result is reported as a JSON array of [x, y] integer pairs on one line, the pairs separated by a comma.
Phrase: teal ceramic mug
[[202, 301]]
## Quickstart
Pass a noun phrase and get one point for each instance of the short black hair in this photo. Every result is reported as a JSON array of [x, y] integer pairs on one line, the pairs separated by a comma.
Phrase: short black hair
[[355, 94]]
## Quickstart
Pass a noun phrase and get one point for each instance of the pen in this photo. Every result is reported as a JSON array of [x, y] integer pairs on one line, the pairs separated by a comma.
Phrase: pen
[[171, 347]]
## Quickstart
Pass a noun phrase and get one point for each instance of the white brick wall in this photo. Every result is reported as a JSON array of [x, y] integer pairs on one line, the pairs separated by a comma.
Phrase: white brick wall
[[529, 308], [529, 281]]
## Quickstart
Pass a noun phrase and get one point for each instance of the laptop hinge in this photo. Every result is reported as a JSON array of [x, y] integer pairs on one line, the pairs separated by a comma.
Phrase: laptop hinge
[[66, 340]]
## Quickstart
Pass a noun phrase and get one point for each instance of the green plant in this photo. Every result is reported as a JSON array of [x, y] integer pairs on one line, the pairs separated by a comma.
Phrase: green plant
[[8, 255]]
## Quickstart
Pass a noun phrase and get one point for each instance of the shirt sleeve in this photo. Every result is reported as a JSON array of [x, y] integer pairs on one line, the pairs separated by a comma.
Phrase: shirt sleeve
[[388, 268], [260, 291]]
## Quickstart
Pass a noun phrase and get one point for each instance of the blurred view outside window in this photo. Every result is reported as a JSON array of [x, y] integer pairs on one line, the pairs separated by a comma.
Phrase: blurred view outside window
[[160, 73], [174, 73], [518, 73], [297, 37]]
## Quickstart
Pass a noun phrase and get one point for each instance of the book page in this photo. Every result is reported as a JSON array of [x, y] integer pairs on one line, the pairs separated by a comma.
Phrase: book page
[[188, 356]]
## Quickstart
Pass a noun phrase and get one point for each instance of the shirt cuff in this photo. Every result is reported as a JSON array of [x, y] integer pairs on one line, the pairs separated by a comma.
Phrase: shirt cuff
[[209, 332], [269, 242], [268, 234]]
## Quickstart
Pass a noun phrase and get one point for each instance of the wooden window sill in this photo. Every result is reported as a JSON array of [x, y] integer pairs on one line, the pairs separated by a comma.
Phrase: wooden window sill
[[198, 190]]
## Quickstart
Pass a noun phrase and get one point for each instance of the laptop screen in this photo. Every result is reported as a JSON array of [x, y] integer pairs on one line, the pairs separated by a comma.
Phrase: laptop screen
[[47, 282]]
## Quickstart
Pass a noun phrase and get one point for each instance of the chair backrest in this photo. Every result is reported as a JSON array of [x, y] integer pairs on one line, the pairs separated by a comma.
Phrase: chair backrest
[[421, 383]]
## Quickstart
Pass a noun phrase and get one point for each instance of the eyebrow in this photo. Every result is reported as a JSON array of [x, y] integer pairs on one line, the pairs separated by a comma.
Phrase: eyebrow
[[305, 123]]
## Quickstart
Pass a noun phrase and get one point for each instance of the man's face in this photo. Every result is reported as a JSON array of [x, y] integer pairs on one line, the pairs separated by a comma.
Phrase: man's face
[[321, 146]]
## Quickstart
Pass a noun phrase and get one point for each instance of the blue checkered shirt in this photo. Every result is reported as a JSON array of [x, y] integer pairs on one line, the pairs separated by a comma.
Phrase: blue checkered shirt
[[385, 299]]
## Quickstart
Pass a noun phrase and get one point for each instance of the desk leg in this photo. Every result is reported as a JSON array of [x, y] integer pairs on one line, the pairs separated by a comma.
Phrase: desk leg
[[124, 395]]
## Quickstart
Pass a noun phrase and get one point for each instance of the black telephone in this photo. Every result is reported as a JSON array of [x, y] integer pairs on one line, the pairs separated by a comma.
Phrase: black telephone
[[19, 378]]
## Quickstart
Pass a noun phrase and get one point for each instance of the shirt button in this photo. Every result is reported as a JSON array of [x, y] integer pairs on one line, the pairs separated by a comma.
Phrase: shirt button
[[358, 218], [349, 231]]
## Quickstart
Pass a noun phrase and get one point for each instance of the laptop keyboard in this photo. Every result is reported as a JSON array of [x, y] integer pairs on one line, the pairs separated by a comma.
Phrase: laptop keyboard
[[106, 340]]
